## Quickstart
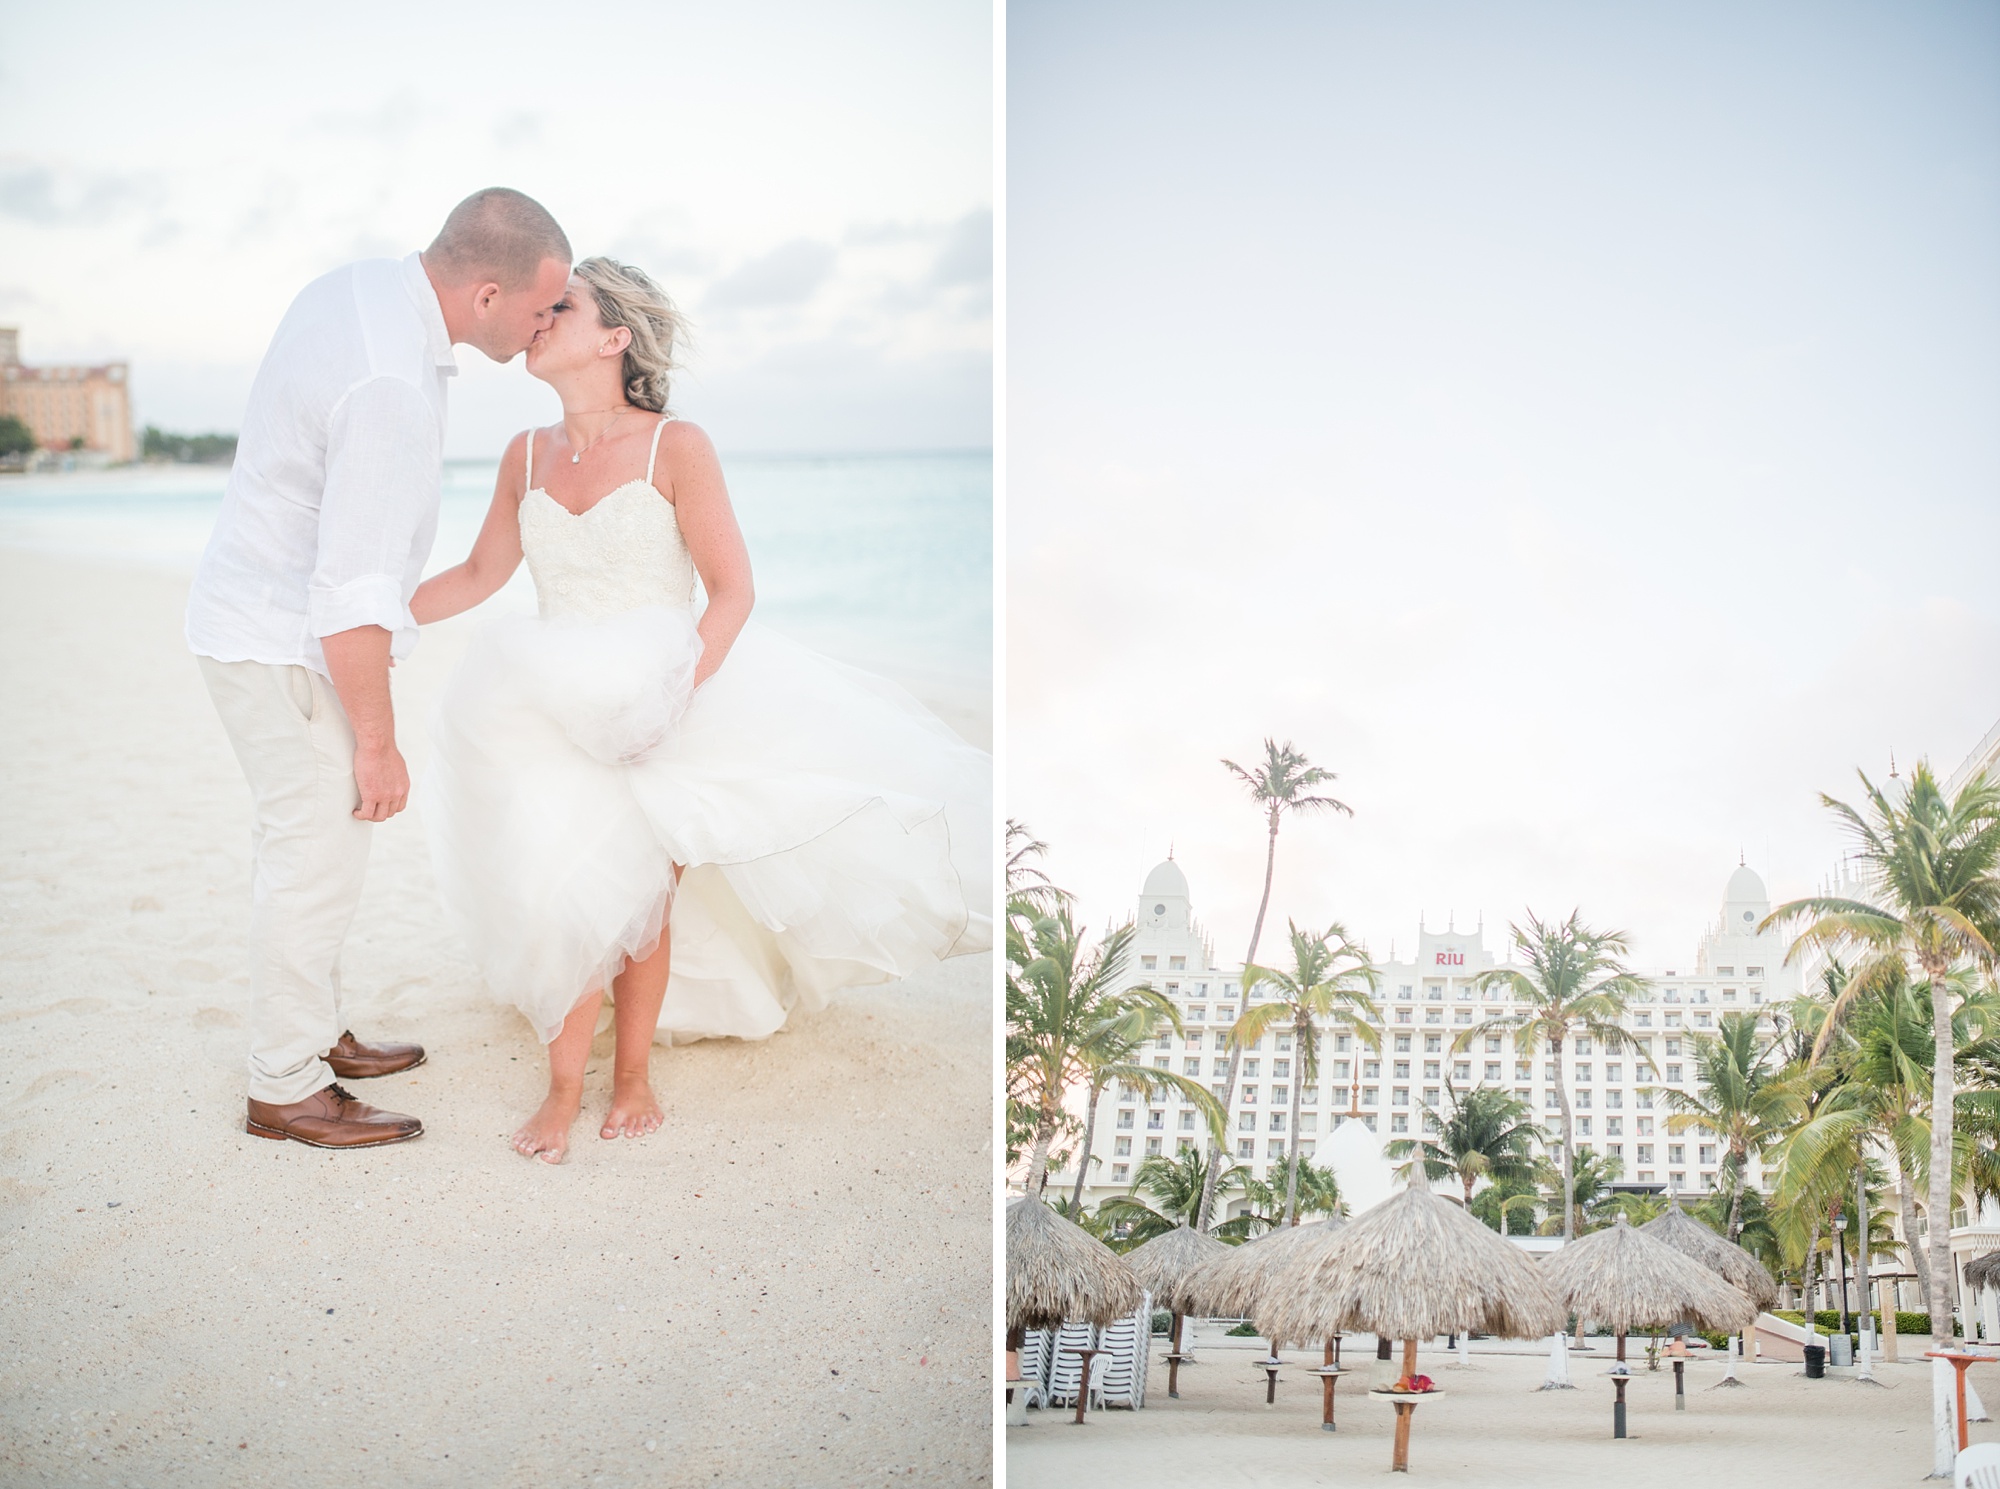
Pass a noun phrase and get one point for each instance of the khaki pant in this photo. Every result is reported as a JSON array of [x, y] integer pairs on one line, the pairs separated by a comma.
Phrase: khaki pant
[[308, 854]]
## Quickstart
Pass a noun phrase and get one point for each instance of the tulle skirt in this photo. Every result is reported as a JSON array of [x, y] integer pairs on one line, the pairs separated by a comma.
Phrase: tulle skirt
[[831, 831]]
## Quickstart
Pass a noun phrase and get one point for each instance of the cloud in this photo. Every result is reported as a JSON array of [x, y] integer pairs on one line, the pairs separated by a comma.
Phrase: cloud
[[37, 194], [787, 275], [967, 255]]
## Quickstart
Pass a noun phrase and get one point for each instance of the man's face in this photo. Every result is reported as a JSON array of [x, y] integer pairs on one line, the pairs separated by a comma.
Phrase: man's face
[[509, 319]]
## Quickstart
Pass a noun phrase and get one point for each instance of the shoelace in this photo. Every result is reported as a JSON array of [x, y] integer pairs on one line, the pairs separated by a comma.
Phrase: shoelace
[[341, 1095]]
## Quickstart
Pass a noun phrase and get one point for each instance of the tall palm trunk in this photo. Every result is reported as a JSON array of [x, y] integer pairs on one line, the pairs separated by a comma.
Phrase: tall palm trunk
[[1046, 1124], [1083, 1153], [1236, 1046], [1301, 1031], [1907, 1202], [1940, 1201], [1568, 1153], [1808, 1306], [1741, 1158]]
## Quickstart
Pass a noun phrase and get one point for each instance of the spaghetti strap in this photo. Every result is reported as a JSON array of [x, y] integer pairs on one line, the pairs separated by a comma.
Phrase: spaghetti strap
[[530, 479], [654, 453]]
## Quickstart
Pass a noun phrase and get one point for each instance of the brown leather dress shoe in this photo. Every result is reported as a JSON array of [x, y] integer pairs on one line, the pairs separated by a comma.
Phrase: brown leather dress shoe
[[331, 1118], [354, 1061]]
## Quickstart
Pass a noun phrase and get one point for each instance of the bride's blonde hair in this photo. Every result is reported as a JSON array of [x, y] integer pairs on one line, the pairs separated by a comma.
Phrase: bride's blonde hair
[[626, 297]]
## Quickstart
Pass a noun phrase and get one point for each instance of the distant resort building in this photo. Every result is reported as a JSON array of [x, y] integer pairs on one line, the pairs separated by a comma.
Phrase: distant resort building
[[68, 408], [1426, 1001]]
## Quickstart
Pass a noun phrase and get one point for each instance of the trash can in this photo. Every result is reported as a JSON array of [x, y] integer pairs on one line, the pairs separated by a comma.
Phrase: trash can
[[1815, 1362]]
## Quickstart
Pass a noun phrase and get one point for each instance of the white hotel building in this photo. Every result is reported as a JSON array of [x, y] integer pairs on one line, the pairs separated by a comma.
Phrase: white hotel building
[[1425, 1003]]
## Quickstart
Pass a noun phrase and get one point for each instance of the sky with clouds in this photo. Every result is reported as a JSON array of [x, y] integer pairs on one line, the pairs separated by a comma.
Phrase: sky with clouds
[[1572, 423], [813, 183]]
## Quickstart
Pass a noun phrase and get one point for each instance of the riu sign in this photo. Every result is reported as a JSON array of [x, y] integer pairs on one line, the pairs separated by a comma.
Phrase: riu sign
[[1451, 959]]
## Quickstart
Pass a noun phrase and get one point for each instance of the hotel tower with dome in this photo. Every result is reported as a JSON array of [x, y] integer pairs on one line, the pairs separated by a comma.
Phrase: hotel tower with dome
[[1426, 1001]]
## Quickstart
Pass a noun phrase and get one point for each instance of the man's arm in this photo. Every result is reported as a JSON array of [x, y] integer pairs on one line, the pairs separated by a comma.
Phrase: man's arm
[[358, 663]]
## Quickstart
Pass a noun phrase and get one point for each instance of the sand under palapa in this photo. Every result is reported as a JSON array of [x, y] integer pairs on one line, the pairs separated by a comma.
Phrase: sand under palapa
[[789, 1284]]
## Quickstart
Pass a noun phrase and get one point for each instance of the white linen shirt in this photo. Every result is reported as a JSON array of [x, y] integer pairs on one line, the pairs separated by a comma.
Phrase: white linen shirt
[[332, 504]]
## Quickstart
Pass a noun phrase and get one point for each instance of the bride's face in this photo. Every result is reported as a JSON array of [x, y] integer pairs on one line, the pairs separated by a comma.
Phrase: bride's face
[[576, 340]]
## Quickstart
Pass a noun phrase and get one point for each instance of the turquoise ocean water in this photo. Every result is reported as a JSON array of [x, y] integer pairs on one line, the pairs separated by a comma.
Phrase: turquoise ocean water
[[882, 560]]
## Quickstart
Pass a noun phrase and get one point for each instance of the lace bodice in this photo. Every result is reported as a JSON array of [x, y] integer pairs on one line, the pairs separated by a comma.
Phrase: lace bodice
[[624, 552]]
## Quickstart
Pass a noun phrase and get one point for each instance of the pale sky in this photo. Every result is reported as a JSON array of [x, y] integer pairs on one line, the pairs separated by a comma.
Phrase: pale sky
[[1575, 424], [812, 182]]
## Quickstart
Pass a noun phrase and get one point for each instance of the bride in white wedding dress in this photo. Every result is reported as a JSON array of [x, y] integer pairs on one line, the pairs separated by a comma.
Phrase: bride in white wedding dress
[[638, 792]]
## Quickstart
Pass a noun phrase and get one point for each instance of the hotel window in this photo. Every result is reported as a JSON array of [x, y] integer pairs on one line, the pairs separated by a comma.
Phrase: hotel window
[[1583, 1099], [1433, 1044], [1342, 1043], [1402, 1044], [1249, 1095], [1673, 1046], [1583, 1073], [1250, 1069], [1402, 1070], [1701, 1021], [1398, 1122], [1645, 1176], [1676, 1153], [1246, 1147], [1677, 1181], [1198, 1013], [1523, 1071], [1551, 1101], [1125, 1119], [1493, 1044], [1522, 1093], [1119, 1171], [1431, 1070], [1673, 1021], [1192, 1042], [1368, 1120], [1173, 989], [1340, 1069], [1614, 1072], [1729, 995], [1645, 1126], [1434, 992], [1402, 1015], [1177, 964], [1277, 1121], [1614, 1098], [1217, 1090], [1461, 1070], [1725, 971], [1246, 1121], [1645, 1152], [1673, 1074], [1614, 1126], [1549, 1071], [1465, 992], [1370, 1069], [1222, 1037], [1616, 1150], [1280, 1095], [1430, 1095], [1122, 1147], [1430, 1125], [1643, 1021], [1309, 1096], [1183, 1144], [1187, 1121], [1404, 993], [1280, 1069], [1583, 1044], [1306, 1149], [1463, 1016], [1284, 1043], [1155, 1120], [1309, 1121], [1433, 1015], [1708, 1153], [1274, 1149], [1149, 964], [1643, 1100], [1370, 1097], [1492, 1070], [1227, 1013], [1161, 1062], [1753, 971], [1401, 1096], [1152, 1147]]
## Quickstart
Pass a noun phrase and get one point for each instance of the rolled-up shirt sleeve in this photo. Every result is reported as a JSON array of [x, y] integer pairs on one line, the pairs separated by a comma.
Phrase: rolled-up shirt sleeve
[[382, 469]]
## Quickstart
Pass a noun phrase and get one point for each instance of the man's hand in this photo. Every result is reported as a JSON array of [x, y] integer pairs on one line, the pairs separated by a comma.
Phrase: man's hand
[[383, 780], [358, 662]]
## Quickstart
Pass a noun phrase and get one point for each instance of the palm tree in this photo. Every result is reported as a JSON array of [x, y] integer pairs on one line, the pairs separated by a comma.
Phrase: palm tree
[[1509, 1205], [1112, 1053], [1932, 867], [1296, 1187], [1487, 1133], [1068, 1008], [1282, 784], [1586, 1189], [1331, 979], [1027, 884], [1740, 1101], [1175, 1185], [1575, 984]]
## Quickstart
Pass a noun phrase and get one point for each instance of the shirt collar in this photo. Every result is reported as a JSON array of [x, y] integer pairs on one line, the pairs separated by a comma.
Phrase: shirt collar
[[435, 335]]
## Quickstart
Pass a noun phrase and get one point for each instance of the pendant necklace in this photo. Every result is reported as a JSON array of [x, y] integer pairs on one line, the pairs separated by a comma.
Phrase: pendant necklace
[[577, 455]]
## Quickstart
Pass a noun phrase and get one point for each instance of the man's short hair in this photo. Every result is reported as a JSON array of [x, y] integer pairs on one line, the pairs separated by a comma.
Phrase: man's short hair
[[497, 234]]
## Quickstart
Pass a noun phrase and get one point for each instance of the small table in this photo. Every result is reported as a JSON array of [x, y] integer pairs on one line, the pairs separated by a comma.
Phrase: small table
[[1961, 1361], [1083, 1382], [1329, 1376], [1174, 1363], [1270, 1368], [1405, 1403]]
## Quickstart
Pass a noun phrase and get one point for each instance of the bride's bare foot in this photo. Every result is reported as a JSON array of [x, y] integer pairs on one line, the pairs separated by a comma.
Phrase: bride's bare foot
[[546, 1134], [634, 1112]]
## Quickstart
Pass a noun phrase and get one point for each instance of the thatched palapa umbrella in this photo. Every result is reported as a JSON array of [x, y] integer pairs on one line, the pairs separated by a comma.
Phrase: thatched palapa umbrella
[[1163, 1266], [1984, 1270], [1230, 1285], [1697, 1242], [1058, 1272], [1631, 1281]]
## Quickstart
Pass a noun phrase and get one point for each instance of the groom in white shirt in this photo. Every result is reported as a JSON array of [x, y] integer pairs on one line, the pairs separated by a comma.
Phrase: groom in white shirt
[[302, 598]]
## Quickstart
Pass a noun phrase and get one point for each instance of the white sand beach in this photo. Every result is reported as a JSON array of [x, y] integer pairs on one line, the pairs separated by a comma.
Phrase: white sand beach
[[1493, 1429], [789, 1284]]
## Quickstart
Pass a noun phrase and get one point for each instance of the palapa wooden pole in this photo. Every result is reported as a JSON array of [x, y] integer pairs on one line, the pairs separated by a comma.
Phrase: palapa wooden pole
[[1409, 1361], [1404, 1411]]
